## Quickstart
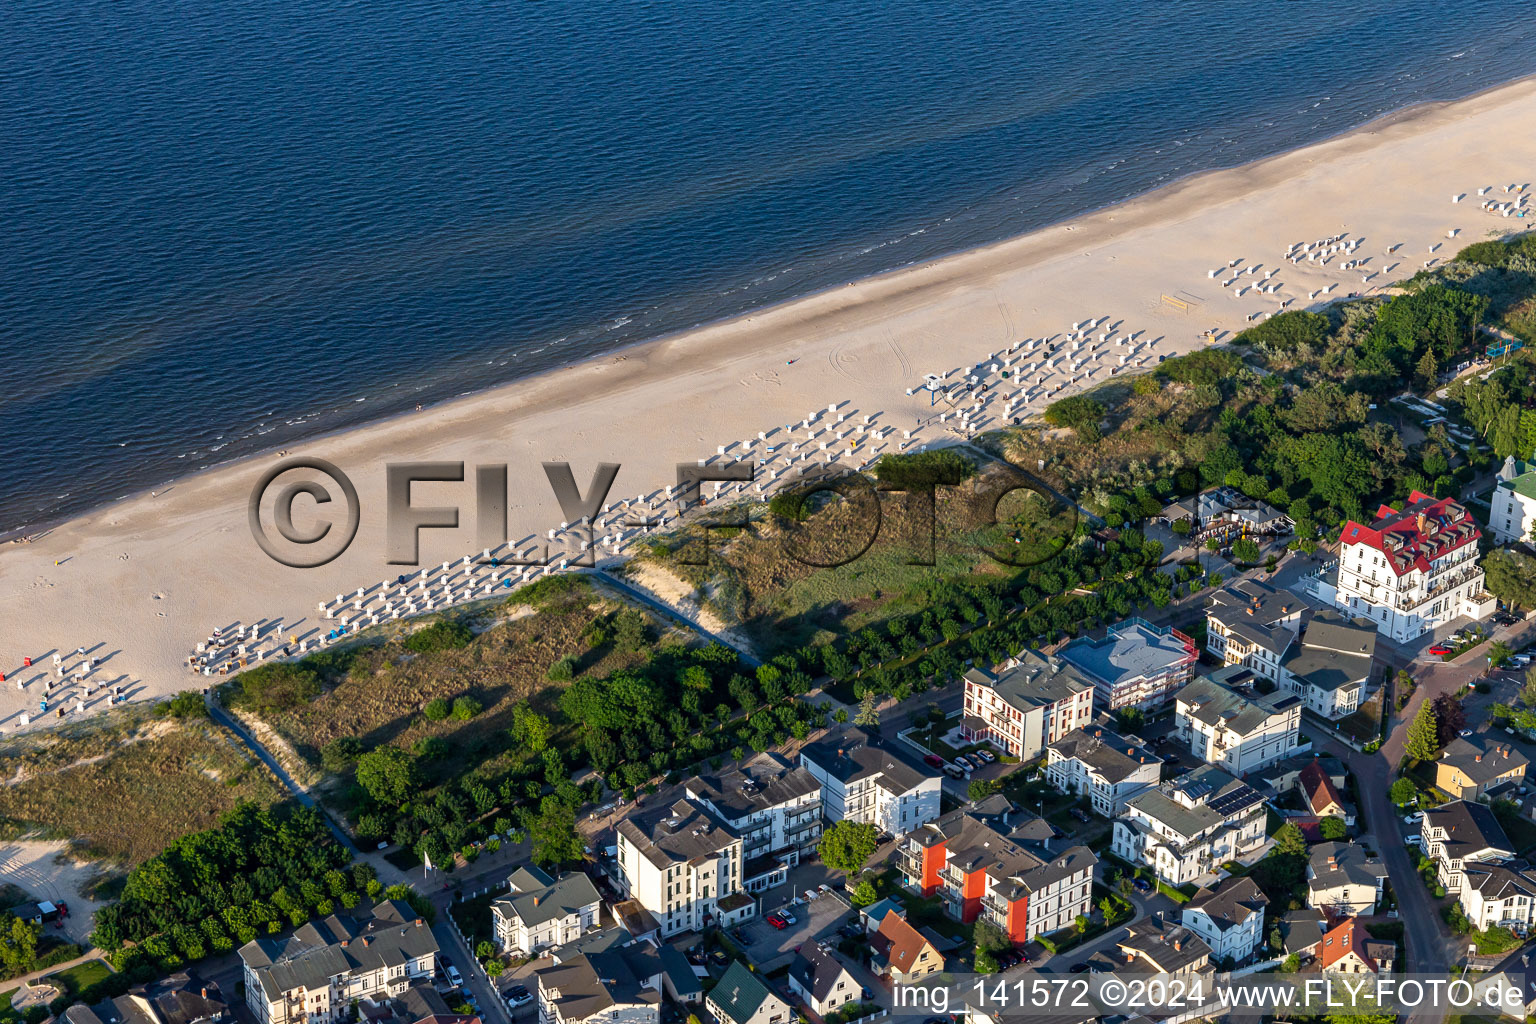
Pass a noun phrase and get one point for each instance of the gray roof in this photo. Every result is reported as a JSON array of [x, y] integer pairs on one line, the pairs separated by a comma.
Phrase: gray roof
[[1131, 650], [816, 970], [1203, 787], [680, 972], [591, 942], [1302, 929], [1496, 881], [739, 993], [592, 983], [1035, 680], [1167, 945], [1483, 757], [1470, 828], [765, 781], [338, 945], [1349, 865], [1232, 904], [81, 1014], [1111, 755], [677, 832], [1216, 705], [1334, 653], [1254, 611], [854, 754], [534, 903]]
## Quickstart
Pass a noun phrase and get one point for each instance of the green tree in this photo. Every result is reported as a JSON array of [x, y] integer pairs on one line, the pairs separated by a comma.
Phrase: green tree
[[1499, 654], [465, 708], [1403, 791], [387, 774], [485, 949], [1511, 577], [869, 710], [436, 709], [864, 894], [341, 753], [1289, 842], [1245, 550], [847, 845], [1528, 688], [554, 835], [1332, 828], [494, 969], [18, 946], [530, 730], [980, 789], [1423, 743]]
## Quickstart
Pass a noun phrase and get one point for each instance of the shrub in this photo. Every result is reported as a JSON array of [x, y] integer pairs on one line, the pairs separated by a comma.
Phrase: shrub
[[789, 505], [184, 705], [436, 710], [1079, 412], [440, 636], [465, 708], [921, 469], [563, 670], [341, 753], [279, 685]]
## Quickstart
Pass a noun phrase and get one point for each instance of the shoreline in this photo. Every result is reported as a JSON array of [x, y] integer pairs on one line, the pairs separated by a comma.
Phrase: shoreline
[[139, 581], [21, 533]]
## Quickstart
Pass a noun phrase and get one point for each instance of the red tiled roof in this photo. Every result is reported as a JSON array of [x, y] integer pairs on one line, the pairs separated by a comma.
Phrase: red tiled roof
[[1425, 530], [1345, 938], [1319, 788]]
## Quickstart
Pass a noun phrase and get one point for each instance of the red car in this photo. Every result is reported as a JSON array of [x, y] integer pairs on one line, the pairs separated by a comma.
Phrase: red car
[[777, 921], [1440, 649], [933, 761]]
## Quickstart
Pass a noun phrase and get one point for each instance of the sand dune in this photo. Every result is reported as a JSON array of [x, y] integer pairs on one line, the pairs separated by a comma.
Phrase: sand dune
[[140, 582]]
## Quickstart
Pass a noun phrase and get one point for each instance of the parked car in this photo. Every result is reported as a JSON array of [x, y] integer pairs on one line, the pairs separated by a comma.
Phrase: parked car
[[453, 974], [1414, 818], [823, 888], [986, 755], [788, 917], [954, 771], [518, 995], [1080, 814], [1440, 649], [1414, 840], [933, 761], [1078, 968], [777, 921], [1141, 885], [1465, 733], [718, 957]]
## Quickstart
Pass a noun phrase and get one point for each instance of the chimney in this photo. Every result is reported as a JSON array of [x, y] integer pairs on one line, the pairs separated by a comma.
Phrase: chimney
[[205, 992], [1478, 758], [418, 922], [1332, 861], [1176, 944], [343, 943]]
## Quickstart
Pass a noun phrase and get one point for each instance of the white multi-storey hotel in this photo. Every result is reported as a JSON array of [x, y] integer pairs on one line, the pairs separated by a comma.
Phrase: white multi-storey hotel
[[1239, 732], [1033, 701], [862, 781], [1188, 827], [1412, 571], [684, 865], [1513, 503], [775, 806]]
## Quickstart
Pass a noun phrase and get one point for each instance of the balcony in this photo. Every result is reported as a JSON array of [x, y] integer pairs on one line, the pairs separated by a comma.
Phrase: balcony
[[1445, 585]]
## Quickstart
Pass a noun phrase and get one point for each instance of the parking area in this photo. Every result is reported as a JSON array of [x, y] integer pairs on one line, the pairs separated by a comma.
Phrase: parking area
[[770, 948]]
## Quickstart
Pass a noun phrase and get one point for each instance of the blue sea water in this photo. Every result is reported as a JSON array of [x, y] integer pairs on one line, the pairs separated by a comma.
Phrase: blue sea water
[[231, 225]]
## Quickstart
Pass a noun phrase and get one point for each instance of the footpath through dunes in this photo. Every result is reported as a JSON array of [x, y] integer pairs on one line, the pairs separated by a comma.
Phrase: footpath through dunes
[[146, 579]]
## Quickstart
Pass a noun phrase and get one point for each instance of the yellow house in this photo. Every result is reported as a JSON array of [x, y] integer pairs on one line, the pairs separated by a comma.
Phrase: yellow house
[[1471, 766], [902, 952]]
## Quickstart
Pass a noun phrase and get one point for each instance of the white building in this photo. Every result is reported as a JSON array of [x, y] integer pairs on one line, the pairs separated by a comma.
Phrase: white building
[[1189, 826], [684, 865], [1033, 701], [1496, 895], [1459, 833], [822, 980], [314, 975], [540, 910], [742, 997], [1229, 919], [1135, 664], [1101, 765], [1513, 515], [1252, 624], [862, 781], [622, 985], [1331, 664], [1343, 880], [1412, 571], [1239, 732], [775, 806]]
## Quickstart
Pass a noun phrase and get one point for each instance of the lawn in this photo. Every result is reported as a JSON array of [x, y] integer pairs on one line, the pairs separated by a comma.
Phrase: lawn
[[80, 976], [474, 917], [124, 785]]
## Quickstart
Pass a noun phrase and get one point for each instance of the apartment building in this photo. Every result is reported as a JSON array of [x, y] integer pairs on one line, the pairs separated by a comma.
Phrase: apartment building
[[622, 985], [683, 865], [1252, 624], [776, 808], [1103, 766], [1240, 731], [1343, 880], [1189, 826], [1032, 701], [1135, 665], [541, 910], [313, 975], [1412, 571], [1471, 767], [979, 873], [864, 782], [1498, 895], [1331, 664], [1459, 833], [1512, 517], [1230, 919]]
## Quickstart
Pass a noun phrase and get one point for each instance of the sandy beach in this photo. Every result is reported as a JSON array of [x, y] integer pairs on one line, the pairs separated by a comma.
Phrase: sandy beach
[[138, 584]]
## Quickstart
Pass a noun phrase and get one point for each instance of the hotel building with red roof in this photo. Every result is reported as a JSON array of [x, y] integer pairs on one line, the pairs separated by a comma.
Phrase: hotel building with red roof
[[1413, 570]]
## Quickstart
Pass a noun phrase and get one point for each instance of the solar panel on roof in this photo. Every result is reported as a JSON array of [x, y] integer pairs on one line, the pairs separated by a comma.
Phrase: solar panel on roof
[[1196, 789], [1237, 800]]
